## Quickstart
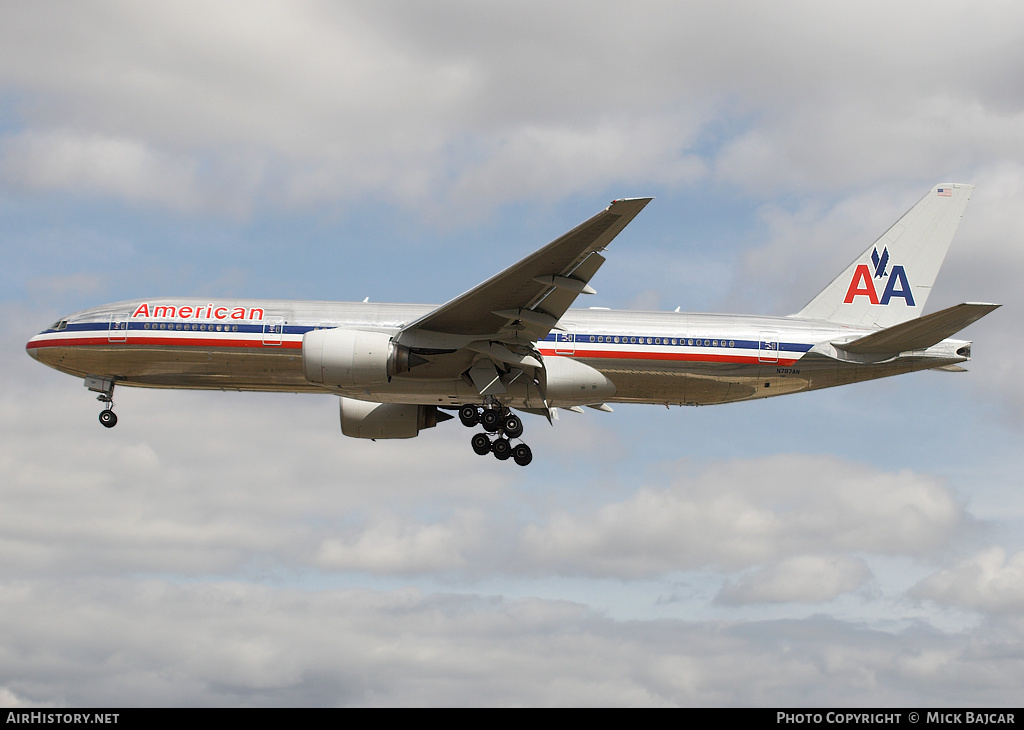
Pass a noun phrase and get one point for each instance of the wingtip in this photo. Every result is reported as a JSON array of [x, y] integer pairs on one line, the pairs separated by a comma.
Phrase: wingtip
[[626, 205], [992, 306]]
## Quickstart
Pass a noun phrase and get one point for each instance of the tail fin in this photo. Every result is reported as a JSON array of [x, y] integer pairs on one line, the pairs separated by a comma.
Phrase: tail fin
[[890, 282]]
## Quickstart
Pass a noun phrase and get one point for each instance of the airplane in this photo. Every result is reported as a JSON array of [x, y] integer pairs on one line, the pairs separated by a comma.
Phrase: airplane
[[512, 343]]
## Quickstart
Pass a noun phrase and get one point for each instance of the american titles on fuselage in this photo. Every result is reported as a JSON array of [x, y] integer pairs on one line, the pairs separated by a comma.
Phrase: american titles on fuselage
[[199, 311]]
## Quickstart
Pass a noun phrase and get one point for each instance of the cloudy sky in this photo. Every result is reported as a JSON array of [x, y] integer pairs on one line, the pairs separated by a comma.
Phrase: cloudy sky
[[860, 546]]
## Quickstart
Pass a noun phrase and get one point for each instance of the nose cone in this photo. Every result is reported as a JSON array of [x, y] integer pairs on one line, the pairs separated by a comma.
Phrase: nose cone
[[50, 346], [31, 347], [37, 347]]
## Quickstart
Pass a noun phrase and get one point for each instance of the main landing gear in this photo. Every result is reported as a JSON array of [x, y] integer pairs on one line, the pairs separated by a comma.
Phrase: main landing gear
[[504, 424], [105, 388]]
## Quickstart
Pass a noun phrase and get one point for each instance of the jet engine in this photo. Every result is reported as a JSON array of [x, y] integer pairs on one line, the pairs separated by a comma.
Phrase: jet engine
[[364, 420], [569, 382], [352, 357]]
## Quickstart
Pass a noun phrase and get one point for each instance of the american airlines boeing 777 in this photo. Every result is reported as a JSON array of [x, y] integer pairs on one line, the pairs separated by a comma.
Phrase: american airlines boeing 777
[[513, 342]]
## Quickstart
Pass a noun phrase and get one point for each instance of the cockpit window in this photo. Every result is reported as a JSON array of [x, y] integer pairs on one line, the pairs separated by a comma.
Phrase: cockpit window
[[61, 325]]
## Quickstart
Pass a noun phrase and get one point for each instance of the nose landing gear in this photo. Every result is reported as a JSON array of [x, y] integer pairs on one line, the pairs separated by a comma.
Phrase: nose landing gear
[[105, 388], [500, 421]]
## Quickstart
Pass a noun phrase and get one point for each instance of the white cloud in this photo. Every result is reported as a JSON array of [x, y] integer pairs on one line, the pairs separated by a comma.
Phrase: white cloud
[[806, 247], [66, 160], [391, 545], [53, 287], [154, 643], [236, 106], [804, 578], [736, 515], [532, 161], [9, 699], [989, 582], [852, 142]]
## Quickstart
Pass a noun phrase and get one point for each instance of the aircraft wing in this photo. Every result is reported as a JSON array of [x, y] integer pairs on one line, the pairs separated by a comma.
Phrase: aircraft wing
[[524, 302], [918, 334]]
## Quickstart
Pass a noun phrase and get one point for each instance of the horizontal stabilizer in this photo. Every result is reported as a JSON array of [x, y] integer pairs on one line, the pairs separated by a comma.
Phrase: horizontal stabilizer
[[918, 334]]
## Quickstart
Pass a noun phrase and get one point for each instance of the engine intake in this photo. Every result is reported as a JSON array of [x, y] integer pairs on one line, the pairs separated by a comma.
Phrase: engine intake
[[352, 357]]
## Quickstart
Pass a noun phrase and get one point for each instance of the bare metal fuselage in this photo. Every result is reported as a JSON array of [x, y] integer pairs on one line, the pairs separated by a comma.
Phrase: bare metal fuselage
[[650, 357]]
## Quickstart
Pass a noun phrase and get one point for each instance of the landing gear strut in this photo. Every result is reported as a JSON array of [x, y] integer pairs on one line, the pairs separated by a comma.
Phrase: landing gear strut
[[105, 388], [506, 425]]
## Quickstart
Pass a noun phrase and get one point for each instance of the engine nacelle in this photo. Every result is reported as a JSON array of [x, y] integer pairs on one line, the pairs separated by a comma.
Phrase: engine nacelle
[[571, 383], [364, 420], [351, 357]]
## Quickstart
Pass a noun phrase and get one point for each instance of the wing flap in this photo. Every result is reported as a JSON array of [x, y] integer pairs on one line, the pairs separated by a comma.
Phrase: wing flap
[[918, 334], [559, 297], [486, 378]]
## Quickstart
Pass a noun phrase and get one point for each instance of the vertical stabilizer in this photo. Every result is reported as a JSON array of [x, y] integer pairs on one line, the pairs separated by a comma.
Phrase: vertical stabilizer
[[890, 282]]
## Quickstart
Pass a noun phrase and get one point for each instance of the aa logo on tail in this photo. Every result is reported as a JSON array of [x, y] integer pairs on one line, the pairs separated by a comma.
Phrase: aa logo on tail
[[880, 262], [896, 285]]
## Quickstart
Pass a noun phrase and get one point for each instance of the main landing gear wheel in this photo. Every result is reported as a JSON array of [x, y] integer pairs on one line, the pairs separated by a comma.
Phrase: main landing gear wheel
[[469, 415], [512, 426], [481, 444], [108, 418], [522, 454], [490, 419], [502, 448]]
